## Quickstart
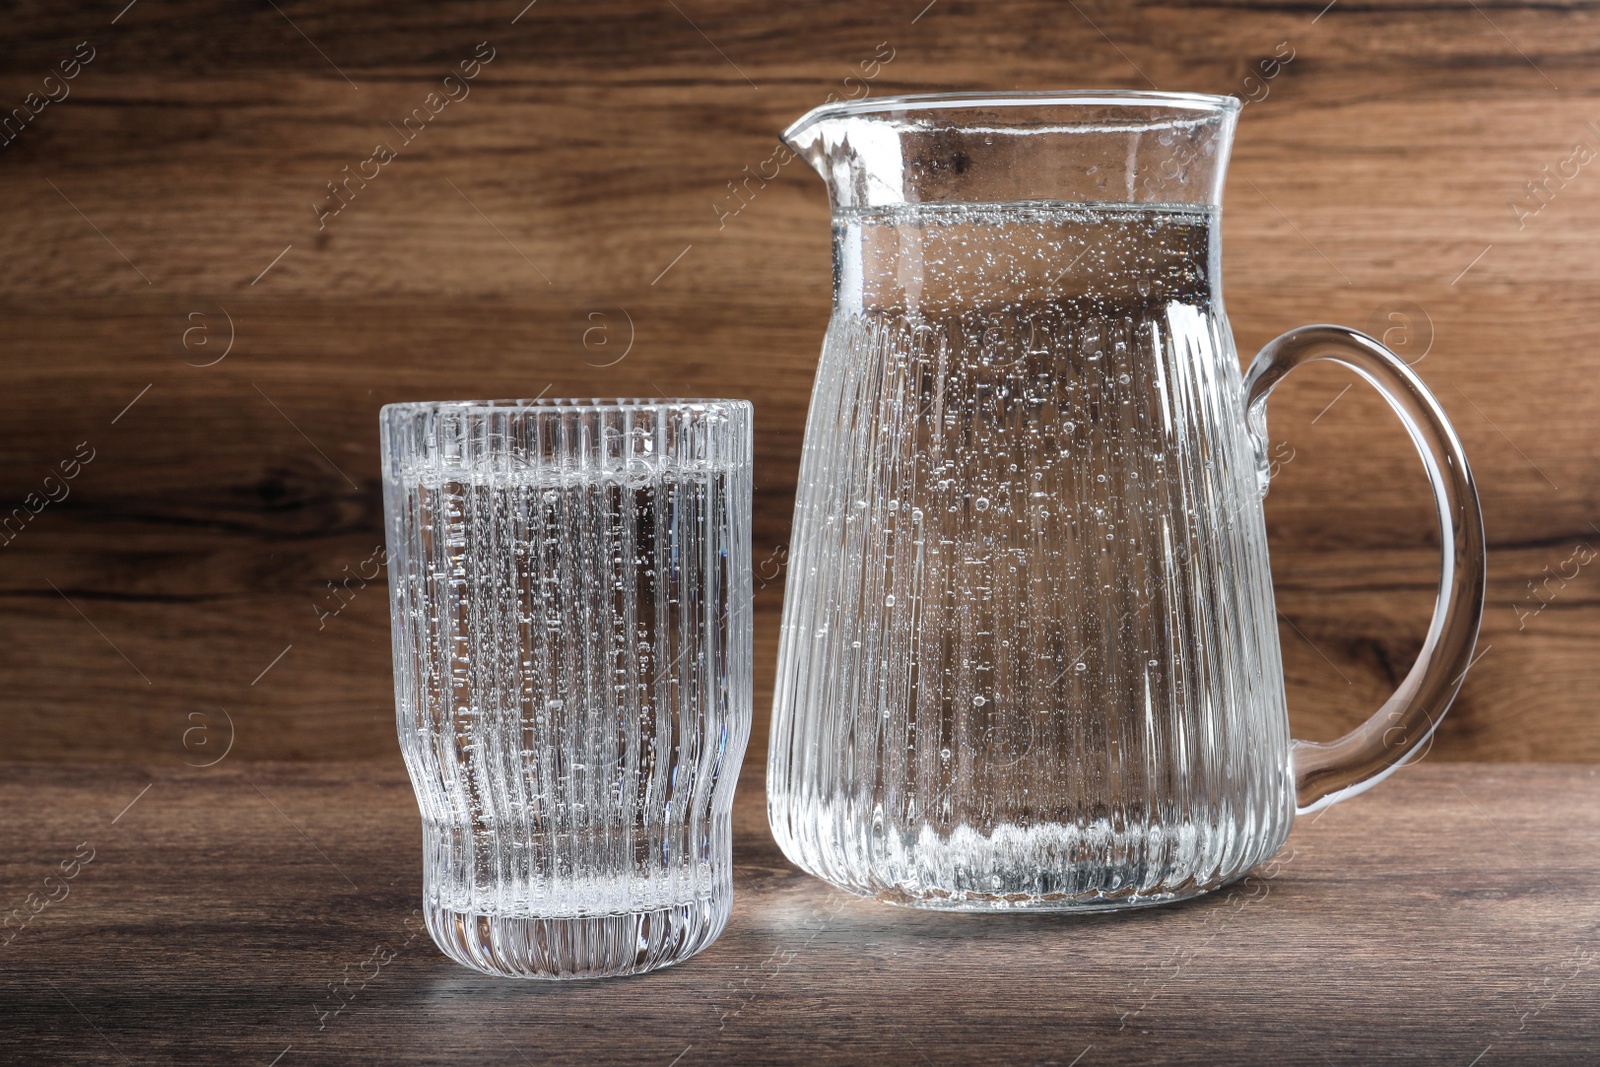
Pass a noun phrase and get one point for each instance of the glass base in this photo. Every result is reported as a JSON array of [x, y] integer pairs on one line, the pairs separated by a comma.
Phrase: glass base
[[585, 946]]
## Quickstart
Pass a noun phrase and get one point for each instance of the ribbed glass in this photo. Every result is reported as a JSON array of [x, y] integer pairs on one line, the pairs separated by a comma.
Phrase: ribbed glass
[[570, 589], [1029, 656]]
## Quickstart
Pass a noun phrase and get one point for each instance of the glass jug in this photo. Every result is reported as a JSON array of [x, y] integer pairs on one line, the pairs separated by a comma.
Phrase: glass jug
[[1029, 656]]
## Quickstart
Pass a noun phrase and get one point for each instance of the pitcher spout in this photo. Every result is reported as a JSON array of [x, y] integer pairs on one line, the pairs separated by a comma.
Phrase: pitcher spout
[[1127, 147]]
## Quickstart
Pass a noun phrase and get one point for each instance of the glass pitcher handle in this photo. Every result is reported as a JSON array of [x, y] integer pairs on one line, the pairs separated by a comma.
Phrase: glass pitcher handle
[[1327, 773]]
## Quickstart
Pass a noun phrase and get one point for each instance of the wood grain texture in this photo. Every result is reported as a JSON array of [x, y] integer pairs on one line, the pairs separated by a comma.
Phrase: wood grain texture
[[1450, 915], [596, 151]]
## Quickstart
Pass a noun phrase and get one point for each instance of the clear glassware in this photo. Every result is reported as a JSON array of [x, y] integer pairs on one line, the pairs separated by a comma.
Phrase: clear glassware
[[1029, 656], [570, 593]]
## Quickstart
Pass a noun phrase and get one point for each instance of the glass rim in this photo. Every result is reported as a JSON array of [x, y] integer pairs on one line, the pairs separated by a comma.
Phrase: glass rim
[[1200, 104], [651, 405]]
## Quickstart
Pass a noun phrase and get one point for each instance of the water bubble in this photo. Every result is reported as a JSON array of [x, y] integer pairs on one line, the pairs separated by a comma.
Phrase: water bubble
[[888, 601], [978, 701], [1081, 667], [944, 753], [981, 504]]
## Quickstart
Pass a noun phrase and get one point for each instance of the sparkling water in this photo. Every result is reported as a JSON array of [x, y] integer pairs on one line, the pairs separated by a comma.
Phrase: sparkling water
[[572, 646], [1029, 656]]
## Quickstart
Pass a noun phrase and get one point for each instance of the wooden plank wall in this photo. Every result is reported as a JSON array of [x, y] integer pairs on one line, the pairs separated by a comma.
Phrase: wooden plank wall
[[568, 228]]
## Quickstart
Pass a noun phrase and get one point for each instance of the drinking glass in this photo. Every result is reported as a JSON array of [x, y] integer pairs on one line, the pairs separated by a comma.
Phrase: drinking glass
[[1029, 656], [570, 594]]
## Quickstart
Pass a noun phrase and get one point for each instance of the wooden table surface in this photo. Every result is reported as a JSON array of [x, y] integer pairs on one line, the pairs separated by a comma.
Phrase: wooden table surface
[[1448, 917]]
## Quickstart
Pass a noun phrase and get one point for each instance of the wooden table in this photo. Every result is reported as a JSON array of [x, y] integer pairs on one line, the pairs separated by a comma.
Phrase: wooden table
[[1448, 917]]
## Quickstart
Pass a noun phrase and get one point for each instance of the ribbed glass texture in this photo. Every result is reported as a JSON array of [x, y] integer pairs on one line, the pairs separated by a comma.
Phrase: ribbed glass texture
[[570, 590], [1029, 656]]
